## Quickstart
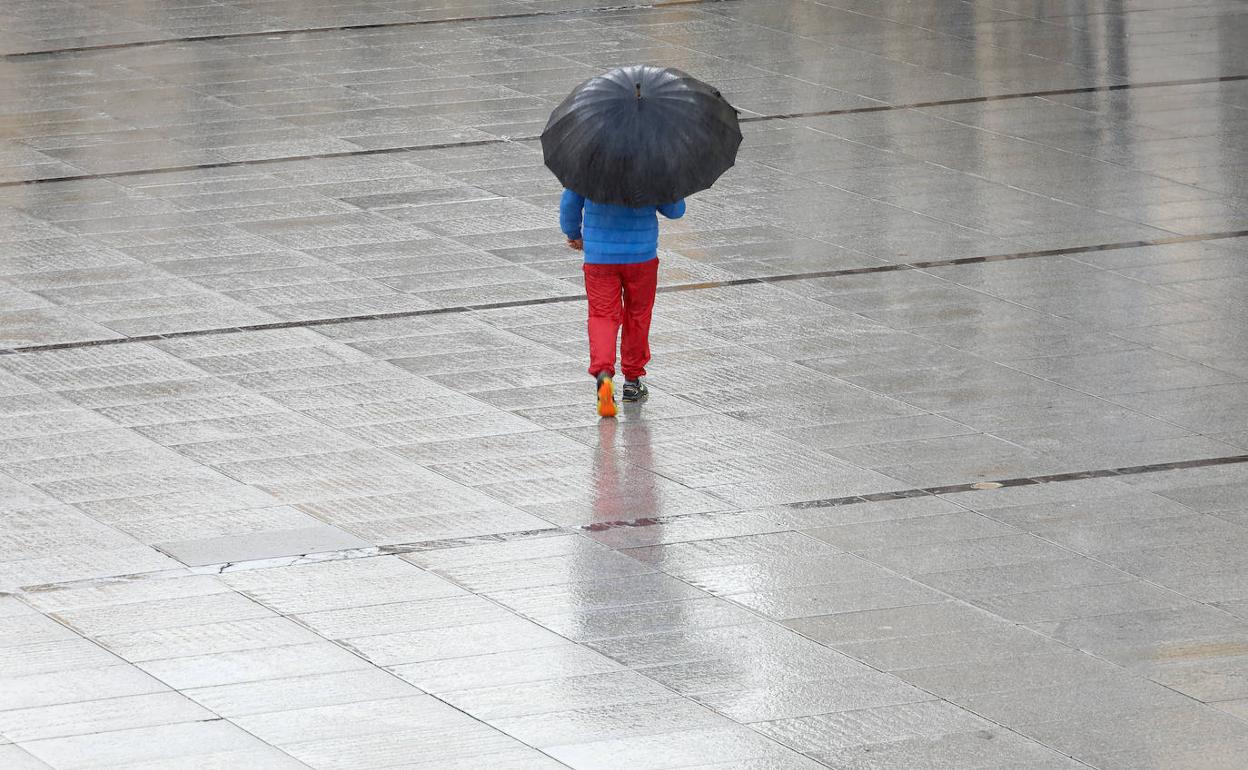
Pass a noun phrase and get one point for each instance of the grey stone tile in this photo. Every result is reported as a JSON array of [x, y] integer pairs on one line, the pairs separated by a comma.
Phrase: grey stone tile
[[18, 759], [1120, 694], [82, 565], [11, 605], [20, 630], [358, 718], [789, 701], [508, 635], [702, 644], [30, 688], [100, 716], [957, 681], [1124, 372], [1081, 601], [734, 550], [1223, 754], [987, 748], [1204, 408], [373, 750], [162, 743], [695, 526], [268, 757], [253, 665], [1211, 498], [651, 617], [1079, 491], [206, 639], [925, 651], [507, 759], [1049, 574], [1098, 511], [868, 593], [234, 548], [503, 669], [601, 723], [856, 433], [339, 584], [733, 745], [1145, 636], [556, 695], [162, 613], [885, 510], [966, 554], [790, 761], [1175, 731], [910, 531], [892, 622], [398, 617], [1217, 583], [1232, 707], [780, 573], [830, 732], [310, 691], [66, 654], [575, 567], [603, 594], [1207, 680]]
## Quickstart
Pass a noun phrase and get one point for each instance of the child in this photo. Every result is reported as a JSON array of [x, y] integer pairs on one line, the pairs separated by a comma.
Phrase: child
[[621, 275]]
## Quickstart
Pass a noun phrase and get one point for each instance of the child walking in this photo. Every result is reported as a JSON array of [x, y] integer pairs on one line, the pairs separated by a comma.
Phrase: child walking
[[621, 276]]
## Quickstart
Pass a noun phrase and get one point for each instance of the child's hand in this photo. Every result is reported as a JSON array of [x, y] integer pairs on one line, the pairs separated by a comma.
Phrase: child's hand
[[576, 245]]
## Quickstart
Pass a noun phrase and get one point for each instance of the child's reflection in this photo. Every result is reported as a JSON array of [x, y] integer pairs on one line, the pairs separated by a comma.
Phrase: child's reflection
[[624, 486]]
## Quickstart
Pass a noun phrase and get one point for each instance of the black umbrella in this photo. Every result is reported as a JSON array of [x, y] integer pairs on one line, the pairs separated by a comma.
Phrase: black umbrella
[[641, 136]]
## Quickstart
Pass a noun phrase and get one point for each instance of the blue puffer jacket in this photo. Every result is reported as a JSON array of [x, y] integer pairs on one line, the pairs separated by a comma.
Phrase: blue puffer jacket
[[616, 235]]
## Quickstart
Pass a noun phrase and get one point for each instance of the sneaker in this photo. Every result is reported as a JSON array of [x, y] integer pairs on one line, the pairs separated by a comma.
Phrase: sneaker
[[635, 390], [605, 389]]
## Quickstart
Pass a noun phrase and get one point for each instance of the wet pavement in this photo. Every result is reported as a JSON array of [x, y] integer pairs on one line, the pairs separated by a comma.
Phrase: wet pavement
[[945, 463]]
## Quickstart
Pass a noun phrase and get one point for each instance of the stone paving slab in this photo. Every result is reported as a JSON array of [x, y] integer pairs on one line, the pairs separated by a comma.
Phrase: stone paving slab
[[943, 466]]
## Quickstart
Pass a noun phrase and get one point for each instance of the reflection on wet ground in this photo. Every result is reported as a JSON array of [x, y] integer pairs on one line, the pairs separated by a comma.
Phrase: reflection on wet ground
[[944, 463]]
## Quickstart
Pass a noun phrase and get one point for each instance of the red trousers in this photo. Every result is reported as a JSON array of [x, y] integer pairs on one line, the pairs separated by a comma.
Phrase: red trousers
[[620, 295]]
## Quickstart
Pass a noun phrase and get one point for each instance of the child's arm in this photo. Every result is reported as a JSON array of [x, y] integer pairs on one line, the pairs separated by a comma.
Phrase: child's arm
[[673, 210], [570, 207]]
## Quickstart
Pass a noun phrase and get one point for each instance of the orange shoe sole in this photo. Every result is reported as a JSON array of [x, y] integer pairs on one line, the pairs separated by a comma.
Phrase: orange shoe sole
[[606, 398]]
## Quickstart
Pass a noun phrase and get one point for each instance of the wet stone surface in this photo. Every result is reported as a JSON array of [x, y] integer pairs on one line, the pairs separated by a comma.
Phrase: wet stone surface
[[944, 463]]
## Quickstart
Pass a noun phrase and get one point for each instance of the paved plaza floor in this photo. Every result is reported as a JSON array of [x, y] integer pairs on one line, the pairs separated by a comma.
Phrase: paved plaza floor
[[945, 463]]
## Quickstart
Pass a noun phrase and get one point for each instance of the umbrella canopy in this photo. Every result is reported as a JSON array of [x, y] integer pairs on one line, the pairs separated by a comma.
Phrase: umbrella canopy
[[641, 136]]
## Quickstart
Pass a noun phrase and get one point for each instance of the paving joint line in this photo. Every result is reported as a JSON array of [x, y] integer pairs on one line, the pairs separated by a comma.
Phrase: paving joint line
[[52, 52], [266, 161], [516, 139], [653, 521], [998, 98], [669, 289]]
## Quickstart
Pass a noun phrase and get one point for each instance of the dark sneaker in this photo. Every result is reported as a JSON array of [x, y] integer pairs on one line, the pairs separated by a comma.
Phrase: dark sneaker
[[635, 390], [605, 389]]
